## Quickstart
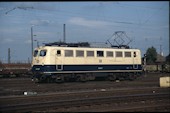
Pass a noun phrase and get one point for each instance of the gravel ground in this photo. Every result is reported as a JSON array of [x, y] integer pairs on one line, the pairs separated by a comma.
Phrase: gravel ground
[[17, 86], [12, 91]]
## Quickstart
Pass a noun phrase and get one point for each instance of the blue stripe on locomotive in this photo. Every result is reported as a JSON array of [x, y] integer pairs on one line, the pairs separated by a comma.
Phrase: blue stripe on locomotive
[[53, 68]]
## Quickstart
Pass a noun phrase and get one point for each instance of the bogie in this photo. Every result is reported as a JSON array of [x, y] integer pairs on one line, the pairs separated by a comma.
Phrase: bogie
[[83, 77]]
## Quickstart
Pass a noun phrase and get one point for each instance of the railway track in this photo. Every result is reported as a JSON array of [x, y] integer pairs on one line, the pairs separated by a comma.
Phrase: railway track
[[71, 103], [16, 86], [92, 96], [78, 94]]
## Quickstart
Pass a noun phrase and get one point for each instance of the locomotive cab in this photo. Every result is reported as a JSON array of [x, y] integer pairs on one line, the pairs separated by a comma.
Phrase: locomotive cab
[[39, 61], [39, 57]]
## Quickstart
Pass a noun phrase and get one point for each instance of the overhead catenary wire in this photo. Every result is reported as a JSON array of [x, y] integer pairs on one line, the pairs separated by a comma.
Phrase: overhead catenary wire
[[60, 11], [77, 13], [138, 7]]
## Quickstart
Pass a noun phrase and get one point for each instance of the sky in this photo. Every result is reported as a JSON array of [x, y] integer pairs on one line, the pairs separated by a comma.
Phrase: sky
[[145, 23]]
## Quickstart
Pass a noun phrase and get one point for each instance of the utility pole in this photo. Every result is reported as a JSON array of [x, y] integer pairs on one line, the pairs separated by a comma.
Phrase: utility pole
[[31, 42], [144, 68], [64, 34], [37, 43], [161, 50], [9, 56], [28, 60], [161, 53]]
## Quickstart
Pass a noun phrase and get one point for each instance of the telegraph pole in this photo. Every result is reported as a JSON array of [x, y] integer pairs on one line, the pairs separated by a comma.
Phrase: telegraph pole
[[161, 53], [9, 56], [31, 41], [144, 68], [64, 34]]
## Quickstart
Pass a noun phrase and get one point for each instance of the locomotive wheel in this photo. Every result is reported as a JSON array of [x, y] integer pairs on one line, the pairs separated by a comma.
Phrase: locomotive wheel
[[59, 79], [81, 78], [36, 80], [112, 77], [42, 79], [132, 76], [49, 80]]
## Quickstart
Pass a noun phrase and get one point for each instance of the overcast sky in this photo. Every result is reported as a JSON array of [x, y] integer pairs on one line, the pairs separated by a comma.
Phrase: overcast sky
[[146, 23]]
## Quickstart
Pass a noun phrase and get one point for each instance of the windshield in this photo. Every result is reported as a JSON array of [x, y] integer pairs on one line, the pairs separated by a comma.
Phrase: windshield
[[35, 53], [43, 52]]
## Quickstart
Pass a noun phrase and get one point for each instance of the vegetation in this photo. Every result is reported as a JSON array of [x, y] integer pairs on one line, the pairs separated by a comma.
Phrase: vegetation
[[168, 59], [151, 55]]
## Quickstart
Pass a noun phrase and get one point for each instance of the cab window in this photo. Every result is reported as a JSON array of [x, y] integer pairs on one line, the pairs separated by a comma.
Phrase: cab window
[[134, 54], [43, 52], [35, 53]]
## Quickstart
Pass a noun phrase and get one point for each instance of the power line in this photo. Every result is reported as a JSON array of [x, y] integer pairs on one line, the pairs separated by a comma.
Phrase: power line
[[69, 13], [24, 8], [150, 16], [138, 7], [79, 13], [72, 14]]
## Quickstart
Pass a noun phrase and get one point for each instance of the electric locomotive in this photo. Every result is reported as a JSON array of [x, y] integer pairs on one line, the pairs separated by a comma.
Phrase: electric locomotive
[[59, 62]]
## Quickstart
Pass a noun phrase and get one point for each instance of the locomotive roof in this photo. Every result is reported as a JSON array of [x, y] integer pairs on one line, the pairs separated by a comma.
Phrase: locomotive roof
[[102, 48], [82, 44], [79, 44]]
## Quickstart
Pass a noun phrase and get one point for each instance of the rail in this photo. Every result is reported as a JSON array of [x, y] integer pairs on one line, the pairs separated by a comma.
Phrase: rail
[[80, 102]]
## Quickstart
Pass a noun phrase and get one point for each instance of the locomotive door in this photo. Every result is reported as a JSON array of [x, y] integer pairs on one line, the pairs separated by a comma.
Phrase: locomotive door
[[135, 65], [59, 60]]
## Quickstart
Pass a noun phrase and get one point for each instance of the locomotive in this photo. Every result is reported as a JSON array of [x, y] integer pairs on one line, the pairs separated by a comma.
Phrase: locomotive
[[59, 62]]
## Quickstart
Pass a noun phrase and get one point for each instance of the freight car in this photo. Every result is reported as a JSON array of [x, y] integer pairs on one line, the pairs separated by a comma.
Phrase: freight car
[[163, 68], [15, 69], [81, 62]]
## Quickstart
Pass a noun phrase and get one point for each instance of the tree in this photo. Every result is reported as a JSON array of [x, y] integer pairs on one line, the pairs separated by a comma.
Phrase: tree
[[168, 59], [151, 55]]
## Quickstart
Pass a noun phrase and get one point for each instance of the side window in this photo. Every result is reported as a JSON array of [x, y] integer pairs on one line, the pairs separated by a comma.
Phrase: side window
[[68, 53], [119, 54], [127, 54], [58, 52], [109, 54], [90, 53], [35, 53], [79, 53], [134, 54], [43, 52], [100, 53]]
